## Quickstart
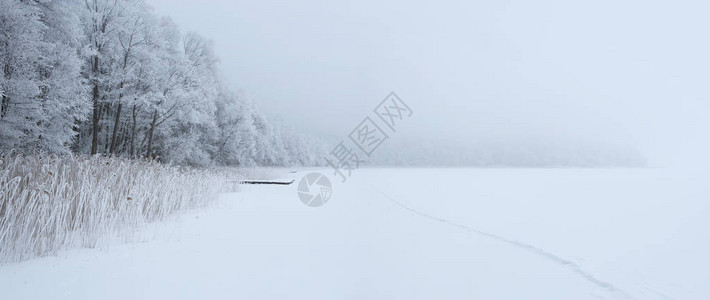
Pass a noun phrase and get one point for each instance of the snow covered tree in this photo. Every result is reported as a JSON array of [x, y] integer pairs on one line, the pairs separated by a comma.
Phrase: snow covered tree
[[194, 130], [42, 94], [101, 19], [20, 57], [65, 98], [109, 77]]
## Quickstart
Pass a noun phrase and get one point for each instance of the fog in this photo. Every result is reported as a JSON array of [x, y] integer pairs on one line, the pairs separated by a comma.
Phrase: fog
[[617, 74]]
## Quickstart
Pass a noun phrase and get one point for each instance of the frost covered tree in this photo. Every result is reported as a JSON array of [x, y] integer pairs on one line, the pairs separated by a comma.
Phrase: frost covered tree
[[109, 77], [193, 129], [65, 98], [101, 20], [42, 93]]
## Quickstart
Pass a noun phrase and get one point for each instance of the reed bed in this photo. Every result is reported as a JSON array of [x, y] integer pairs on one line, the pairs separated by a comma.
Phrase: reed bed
[[48, 203]]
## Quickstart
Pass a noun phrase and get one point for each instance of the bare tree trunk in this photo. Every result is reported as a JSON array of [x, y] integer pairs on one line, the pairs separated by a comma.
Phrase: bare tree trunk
[[150, 135], [97, 108], [133, 132], [95, 70], [106, 131], [120, 104], [3, 106], [115, 127], [5, 100]]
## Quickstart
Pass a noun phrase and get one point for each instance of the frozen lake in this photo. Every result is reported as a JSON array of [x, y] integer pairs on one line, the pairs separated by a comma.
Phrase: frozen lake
[[411, 234]]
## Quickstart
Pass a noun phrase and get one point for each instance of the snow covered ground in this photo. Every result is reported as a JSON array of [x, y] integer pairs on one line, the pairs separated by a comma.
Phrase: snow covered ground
[[411, 234]]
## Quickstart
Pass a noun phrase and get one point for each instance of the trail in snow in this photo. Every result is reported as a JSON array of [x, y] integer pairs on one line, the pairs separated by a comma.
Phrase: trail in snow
[[530, 248]]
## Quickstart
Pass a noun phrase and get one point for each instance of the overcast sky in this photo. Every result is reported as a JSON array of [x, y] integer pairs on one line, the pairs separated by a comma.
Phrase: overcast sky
[[627, 72]]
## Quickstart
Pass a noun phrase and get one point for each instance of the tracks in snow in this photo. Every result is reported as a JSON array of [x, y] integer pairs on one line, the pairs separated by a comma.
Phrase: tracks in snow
[[527, 247]]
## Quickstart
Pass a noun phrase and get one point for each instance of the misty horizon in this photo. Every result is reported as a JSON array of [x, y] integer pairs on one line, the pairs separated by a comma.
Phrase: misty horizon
[[547, 72]]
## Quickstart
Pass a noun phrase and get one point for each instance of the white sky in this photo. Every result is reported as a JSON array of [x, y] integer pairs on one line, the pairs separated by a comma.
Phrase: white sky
[[631, 72]]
